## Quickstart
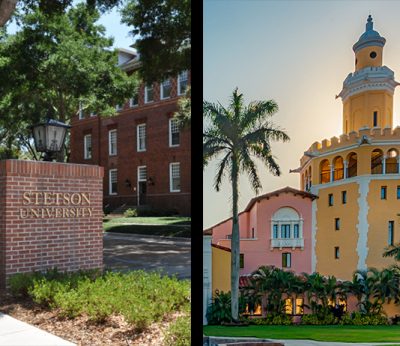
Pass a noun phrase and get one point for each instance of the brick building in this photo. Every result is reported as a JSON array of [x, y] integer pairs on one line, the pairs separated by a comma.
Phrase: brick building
[[146, 158]]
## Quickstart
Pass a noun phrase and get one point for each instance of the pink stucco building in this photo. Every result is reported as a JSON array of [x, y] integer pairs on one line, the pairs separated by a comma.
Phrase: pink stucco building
[[275, 229]]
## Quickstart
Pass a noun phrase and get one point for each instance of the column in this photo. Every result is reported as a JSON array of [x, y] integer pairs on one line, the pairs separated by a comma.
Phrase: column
[[384, 165], [332, 171], [345, 174]]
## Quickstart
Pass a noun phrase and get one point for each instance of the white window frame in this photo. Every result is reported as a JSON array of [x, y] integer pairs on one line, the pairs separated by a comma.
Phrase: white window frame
[[179, 82], [131, 104], [93, 114], [119, 108], [110, 132], [146, 88], [171, 165], [110, 181], [138, 127], [170, 133], [87, 155], [140, 180], [162, 97]]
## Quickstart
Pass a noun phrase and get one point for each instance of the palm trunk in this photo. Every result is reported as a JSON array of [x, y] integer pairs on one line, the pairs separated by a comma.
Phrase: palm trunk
[[235, 243]]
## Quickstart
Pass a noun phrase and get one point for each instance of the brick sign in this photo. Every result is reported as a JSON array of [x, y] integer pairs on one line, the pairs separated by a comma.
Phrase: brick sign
[[50, 216], [57, 205]]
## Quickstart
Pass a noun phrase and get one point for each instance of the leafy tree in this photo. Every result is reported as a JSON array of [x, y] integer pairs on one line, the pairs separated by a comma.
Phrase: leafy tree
[[163, 32], [55, 64], [184, 112], [240, 133]]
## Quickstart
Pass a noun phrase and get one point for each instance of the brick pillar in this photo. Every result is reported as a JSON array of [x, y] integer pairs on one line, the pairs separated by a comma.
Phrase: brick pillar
[[50, 216]]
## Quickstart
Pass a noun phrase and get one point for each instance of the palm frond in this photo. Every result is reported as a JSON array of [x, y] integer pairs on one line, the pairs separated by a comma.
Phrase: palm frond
[[256, 111], [248, 165], [221, 171]]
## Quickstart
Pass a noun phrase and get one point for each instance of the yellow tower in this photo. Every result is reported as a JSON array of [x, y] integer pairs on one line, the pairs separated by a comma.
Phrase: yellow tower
[[367, 93]]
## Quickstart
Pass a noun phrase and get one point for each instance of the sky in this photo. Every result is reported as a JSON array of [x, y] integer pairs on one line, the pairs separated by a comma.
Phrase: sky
[[297, 53]]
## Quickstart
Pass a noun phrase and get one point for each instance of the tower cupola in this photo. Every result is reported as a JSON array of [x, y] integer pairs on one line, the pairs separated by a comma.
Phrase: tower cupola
[[369, 47]]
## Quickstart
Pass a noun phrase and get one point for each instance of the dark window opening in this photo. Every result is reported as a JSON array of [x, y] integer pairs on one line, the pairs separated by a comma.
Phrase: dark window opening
[[344, 197], [337, 252], [241, 261], [330, 199], [383, 192], [337, 224], [375, 119]]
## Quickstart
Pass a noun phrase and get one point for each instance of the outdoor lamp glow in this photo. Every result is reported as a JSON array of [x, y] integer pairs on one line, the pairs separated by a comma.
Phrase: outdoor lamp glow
[[49, 137]]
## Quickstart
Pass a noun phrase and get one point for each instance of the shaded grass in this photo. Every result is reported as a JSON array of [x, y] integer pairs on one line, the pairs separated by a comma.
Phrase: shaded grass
[[160, 230], [167, 226], [153, 220], [318, 333]]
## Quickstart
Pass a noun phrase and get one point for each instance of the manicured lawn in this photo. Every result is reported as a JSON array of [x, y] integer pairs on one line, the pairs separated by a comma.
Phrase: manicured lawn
[[318, 333], [168, 226]]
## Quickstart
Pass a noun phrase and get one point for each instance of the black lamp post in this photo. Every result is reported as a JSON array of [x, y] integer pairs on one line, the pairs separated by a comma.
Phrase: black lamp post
[[49, 137]]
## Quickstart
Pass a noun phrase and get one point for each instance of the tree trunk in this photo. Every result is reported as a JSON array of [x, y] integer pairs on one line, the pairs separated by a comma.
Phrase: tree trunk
[[7, 7], [235, 243]]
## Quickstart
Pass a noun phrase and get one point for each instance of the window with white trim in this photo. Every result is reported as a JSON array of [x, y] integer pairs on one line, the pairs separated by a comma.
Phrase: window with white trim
[[286, 260], [141, 137], [134, 100], [148, 94], [182, 82], [174, 133], [142, 173], [112, 178], [87, 147], [112, 142], [92, 114], [118, 108], [166, 89], [174, 177]]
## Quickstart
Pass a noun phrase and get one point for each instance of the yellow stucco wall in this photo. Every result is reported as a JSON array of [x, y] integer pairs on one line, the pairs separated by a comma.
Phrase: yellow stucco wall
[[364, 59], [379, 214], [221, 270], [358, 110], [346, 238]]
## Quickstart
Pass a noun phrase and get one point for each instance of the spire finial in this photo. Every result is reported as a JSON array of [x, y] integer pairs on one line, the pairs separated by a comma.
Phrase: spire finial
[[369, 24]]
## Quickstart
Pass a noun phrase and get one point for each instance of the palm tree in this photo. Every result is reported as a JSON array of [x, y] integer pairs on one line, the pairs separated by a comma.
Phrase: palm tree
[[240, 133], [393, 251]]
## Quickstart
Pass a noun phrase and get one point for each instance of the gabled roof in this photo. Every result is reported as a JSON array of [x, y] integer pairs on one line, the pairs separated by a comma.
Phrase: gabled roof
[[268, 195], [276, 193]]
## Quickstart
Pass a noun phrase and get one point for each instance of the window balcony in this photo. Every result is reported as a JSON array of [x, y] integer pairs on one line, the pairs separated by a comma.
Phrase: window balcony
[[287, 242]]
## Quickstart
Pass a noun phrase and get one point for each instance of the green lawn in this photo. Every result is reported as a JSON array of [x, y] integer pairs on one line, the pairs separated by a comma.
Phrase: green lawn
[[168, 226], [153, 220], [318, 333]]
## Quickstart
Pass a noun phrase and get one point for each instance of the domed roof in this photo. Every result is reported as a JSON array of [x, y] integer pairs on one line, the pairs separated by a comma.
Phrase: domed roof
[[369, 38]]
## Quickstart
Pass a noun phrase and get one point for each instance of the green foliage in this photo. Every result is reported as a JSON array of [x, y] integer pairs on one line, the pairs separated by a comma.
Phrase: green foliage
[[52, 64], [220, 309], [131, 213], [142, 298], [314, 319], [178, 333], [359, 319], [163, 36], [184, 112], [271, 319]]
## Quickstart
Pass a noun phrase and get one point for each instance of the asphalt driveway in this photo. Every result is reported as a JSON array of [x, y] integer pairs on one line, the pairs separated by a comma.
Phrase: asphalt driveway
[[133, 251]]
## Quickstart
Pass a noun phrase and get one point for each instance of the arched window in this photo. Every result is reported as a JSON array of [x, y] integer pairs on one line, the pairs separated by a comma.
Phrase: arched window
[[351, 165], [377, 161], [339, 168], [286, 228], [325, 172], [391, 161], [309, 178]]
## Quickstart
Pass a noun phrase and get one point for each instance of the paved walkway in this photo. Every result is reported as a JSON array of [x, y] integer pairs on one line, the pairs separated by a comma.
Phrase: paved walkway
[[16, 333], [135, 251]]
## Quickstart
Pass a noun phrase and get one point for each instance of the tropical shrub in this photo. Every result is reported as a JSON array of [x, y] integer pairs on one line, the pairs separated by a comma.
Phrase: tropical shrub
[[314, 319], [131, 213], [220, 309], [271, 319], [368, 319]]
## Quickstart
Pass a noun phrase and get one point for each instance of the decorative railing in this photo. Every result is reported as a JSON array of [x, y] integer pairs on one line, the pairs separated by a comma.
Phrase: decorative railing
[[287, 242]]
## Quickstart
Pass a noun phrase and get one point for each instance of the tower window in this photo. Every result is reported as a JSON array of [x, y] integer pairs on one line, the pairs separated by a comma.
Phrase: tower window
[[344, 197], [372, 55], [337, 252], [391, 233], [330, 199], [337, 224], [375, 119], [398, 192], [383, 192]]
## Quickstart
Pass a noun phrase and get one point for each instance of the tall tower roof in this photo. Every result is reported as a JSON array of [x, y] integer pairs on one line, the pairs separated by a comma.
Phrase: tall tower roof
[[369, 38]]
